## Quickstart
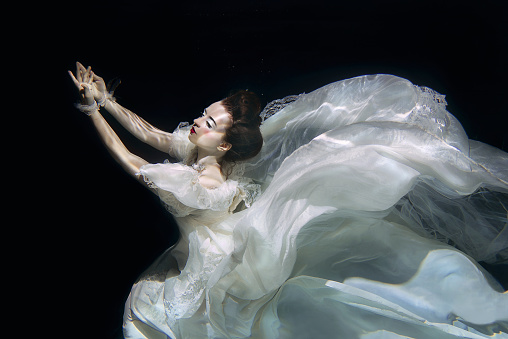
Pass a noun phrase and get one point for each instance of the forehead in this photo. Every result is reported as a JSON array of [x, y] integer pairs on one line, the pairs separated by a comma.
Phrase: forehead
[[218, 112]]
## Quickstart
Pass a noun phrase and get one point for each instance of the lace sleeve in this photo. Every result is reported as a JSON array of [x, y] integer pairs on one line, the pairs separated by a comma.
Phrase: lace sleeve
[[179, 189]]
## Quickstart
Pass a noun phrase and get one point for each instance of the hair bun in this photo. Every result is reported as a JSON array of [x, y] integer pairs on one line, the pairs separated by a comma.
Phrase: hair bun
[[244, 106], [244, 134]]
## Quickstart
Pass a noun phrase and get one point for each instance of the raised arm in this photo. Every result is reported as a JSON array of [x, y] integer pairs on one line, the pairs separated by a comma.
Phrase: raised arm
[[139, 127], [136, 125], [130, 162]]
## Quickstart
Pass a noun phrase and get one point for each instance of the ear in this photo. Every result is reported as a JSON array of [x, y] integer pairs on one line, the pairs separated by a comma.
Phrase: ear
[[224, 147]]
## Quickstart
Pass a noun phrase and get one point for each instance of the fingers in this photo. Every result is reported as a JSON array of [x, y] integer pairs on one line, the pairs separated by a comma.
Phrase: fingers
[[88, 83], [80, 78], [99, 85], [86, 95], [84, 87], [76, 82], [95, 77], [89, 76], [87, 91], [86, 75], [80, 71]]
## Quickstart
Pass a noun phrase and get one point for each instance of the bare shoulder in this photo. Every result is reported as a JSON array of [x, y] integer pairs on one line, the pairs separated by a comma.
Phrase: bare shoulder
[[211, 177]]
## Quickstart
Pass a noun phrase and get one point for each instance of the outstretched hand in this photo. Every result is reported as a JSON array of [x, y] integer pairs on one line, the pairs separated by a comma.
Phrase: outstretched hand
[[91, 87]]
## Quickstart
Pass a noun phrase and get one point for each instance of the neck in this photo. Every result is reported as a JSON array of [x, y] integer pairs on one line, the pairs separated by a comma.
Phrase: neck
[[205, 158]]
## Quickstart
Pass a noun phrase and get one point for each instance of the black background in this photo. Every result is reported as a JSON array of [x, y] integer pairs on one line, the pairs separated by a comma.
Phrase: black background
[[174, 60]]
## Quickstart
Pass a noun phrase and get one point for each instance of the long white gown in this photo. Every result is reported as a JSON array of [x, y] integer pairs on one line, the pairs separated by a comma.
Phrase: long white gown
[[368, 209]]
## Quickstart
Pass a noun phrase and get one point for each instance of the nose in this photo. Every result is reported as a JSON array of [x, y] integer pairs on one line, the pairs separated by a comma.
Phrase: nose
[[198, 121]]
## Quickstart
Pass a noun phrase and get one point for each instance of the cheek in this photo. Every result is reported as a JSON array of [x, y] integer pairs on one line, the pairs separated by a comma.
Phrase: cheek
[[211, 137]]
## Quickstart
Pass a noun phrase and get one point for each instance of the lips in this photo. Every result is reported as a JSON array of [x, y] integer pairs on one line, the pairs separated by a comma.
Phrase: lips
[[192, 130]]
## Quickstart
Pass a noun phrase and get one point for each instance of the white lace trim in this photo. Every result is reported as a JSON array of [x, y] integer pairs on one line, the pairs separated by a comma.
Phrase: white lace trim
[[193, 285], [430, 110], [276, 105], [180, 147], [220, 198], [173, 205]]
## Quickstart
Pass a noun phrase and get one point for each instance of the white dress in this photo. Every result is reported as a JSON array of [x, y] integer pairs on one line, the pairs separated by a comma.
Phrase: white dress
[[368, 208]]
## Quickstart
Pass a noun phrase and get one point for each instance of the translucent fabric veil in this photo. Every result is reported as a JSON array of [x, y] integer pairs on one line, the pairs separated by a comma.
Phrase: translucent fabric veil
[[376, 98], [395, 108], [359, 179]]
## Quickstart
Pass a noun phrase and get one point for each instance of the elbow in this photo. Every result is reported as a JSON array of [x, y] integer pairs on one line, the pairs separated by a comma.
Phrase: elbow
[[131, 163]]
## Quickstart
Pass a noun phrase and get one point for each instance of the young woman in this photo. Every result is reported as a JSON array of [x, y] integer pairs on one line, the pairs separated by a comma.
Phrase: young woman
[[335, 218]]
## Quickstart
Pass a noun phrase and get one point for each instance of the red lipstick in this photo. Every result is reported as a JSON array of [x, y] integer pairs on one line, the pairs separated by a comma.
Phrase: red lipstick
[[192, 130]]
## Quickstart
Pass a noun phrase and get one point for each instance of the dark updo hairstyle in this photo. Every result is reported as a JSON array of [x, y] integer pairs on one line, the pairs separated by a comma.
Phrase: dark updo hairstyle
[[244, 134]]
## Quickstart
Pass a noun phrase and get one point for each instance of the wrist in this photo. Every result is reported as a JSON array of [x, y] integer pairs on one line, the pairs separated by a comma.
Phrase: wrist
[[101, 101], [88, 109], [108, 105], [105, 99]]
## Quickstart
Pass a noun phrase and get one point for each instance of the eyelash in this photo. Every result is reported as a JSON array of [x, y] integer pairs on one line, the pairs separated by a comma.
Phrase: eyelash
[[207, 123]]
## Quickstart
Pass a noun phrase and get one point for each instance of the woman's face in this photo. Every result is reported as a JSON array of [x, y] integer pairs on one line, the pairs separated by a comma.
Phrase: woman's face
[[209, 130]]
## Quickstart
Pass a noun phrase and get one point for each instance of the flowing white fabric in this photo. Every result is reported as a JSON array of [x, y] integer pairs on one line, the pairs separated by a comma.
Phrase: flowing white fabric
[[366, 184]]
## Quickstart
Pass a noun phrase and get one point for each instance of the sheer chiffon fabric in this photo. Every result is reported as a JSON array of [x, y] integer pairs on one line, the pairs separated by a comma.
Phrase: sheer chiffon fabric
[[371, 212]]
